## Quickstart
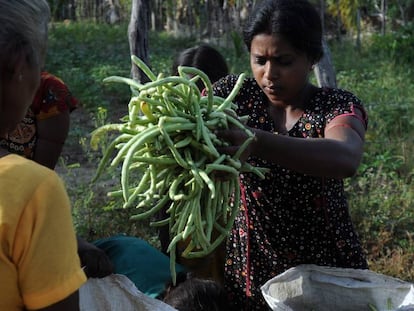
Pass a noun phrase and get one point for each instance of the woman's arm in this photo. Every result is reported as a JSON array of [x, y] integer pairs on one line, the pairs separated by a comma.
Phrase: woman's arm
[[45, 254], [95, 262], [51, 135], [338, 155], [70, 303]]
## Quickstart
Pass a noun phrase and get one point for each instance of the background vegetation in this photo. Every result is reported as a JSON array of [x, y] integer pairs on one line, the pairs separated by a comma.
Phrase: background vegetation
[[379, 72]]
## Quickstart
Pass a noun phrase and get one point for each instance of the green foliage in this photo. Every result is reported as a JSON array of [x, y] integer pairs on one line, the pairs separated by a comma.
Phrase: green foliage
[[345, 10], [388, 95], [397, 45], [83, 54], [163, 48], [238, 43], [381, 195]]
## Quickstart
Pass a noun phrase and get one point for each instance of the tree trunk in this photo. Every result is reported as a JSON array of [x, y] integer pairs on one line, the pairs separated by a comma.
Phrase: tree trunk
[[324, 70], [322, 14], [138, 36], [86, 10], [157, 15], [402, 12], [72, 10], [99, 10], [170, 13], [383, 16], [208, 11], [110, 11], [358, 23], [338, 20]]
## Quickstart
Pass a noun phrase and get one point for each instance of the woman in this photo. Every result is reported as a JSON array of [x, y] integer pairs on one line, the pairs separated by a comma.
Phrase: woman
[[43, 131], [310, 138], [39, 265], [40, 136]]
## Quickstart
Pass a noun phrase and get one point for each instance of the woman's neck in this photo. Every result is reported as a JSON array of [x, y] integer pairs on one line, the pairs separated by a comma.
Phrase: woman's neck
[[286, 115], [299, 102], [305, 96]]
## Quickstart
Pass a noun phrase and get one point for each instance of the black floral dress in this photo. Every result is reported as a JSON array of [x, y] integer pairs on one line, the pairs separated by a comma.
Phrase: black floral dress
[[289, 218]]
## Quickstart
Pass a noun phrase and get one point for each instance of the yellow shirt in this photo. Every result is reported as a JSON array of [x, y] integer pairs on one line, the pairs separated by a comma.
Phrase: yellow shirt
[[39, 265]]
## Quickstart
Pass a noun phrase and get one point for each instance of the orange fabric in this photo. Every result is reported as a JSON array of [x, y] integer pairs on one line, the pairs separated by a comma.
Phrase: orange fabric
[[39, 264]]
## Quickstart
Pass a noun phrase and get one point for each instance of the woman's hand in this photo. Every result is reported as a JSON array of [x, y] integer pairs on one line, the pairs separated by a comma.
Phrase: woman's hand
[[235, 138], [51, 135], [94, 261]]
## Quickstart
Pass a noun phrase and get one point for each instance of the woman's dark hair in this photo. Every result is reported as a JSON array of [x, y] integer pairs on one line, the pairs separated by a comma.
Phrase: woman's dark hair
[[205, 58], [297, 21], [195, 294]]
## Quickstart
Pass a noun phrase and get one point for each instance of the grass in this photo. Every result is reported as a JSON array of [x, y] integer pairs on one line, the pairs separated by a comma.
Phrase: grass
[[381, 194]]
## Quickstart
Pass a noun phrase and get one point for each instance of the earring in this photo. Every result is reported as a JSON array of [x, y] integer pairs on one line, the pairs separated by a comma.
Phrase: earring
[[20, 77]]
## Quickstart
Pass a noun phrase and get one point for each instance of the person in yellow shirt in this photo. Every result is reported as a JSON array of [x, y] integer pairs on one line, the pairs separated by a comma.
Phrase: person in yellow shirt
[[39, 265]]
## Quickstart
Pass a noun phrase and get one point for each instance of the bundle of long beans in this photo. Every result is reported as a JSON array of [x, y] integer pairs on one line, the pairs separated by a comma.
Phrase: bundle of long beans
[[169, 137]]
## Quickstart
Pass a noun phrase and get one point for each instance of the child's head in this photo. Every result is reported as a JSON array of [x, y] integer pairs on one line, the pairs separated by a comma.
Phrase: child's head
[[194, 294], [205, 58], [298, 22]]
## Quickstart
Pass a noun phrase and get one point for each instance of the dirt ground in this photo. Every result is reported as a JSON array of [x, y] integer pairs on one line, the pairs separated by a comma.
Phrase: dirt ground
[[77, 166], [77, 155]]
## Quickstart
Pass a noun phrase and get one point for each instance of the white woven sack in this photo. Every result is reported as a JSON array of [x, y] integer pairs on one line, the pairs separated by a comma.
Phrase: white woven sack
[[116, 293], [311, 287]]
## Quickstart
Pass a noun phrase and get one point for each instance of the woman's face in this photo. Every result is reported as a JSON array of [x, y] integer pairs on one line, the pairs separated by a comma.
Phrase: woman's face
[[17, 94], [280, 70]]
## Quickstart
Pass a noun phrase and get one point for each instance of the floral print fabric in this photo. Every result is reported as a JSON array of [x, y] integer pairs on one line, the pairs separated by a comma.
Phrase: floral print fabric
[[289, 218]]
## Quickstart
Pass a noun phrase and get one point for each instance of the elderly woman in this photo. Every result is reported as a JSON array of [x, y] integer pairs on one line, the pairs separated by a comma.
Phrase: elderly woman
[[39, 265]]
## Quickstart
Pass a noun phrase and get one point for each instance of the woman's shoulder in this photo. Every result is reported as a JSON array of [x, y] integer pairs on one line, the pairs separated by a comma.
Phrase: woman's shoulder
[[53, 96], [47, 76], [232, 79], [327, 99], [226, 84], [26, 177], [20, 167], [50, 81], [337, 95], [332, 102]]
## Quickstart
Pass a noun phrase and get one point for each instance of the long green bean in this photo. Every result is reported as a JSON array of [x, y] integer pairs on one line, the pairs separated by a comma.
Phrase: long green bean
[[169, 136]]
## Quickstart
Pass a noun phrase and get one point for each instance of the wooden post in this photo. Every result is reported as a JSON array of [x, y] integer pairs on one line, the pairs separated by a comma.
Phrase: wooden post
[[338, 20], [324, 70], [358, 24], [138, 36], [322, 14], [383, 16]]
